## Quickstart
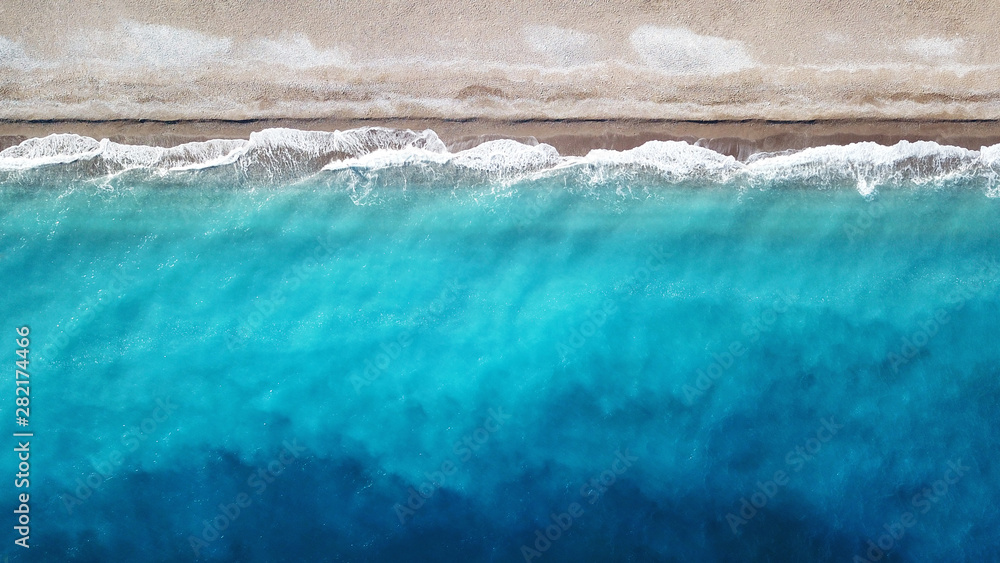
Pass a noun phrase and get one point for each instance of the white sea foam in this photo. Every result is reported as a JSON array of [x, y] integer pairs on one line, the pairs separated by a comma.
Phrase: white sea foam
[[676, 50], [114, 157], [199, 155], [499, 158], [673, 159], [869, 164], [270, 148], [381, 159], [290, 153], [507, 157], [53, 149], [341, 144]]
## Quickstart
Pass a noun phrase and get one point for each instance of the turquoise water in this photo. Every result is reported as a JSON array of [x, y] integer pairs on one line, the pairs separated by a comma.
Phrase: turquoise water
[[422, 363]]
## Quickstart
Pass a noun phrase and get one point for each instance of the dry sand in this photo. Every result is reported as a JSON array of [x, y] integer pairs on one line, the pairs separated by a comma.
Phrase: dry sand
[[554, 70]]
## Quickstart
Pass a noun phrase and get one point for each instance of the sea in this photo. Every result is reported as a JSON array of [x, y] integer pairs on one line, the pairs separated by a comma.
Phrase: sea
[[361, 346]]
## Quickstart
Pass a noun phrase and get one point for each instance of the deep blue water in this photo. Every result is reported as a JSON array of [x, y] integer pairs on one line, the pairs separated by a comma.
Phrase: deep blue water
[[390, 366]]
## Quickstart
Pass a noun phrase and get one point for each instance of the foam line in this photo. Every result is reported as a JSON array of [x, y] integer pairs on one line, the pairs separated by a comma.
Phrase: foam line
[[291, 153]]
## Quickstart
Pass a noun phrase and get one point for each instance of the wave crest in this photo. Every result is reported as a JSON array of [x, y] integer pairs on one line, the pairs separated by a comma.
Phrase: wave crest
[[867, 164], [290, 154]]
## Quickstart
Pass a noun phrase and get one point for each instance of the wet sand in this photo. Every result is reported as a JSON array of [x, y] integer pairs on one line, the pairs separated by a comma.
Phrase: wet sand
[[739, 139]]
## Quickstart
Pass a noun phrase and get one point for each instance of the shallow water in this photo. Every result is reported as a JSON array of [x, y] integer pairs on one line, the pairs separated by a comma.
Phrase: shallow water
[[424, 360]]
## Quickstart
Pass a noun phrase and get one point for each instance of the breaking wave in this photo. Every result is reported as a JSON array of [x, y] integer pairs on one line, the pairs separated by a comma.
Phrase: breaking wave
[[362, 156]]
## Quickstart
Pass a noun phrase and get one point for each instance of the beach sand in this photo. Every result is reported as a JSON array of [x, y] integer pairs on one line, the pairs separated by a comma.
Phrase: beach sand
[[768, 75]]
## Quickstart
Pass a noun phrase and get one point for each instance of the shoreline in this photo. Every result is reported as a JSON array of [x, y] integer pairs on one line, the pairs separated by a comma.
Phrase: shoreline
[[570, 137], [745, 77]]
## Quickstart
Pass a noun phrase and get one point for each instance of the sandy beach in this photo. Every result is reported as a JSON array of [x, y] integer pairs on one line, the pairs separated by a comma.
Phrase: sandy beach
[[773, 74]]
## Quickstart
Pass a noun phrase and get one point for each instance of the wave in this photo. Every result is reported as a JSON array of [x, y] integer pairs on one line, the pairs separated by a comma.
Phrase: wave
[[282, 155], [270, 147], [499, 158]]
